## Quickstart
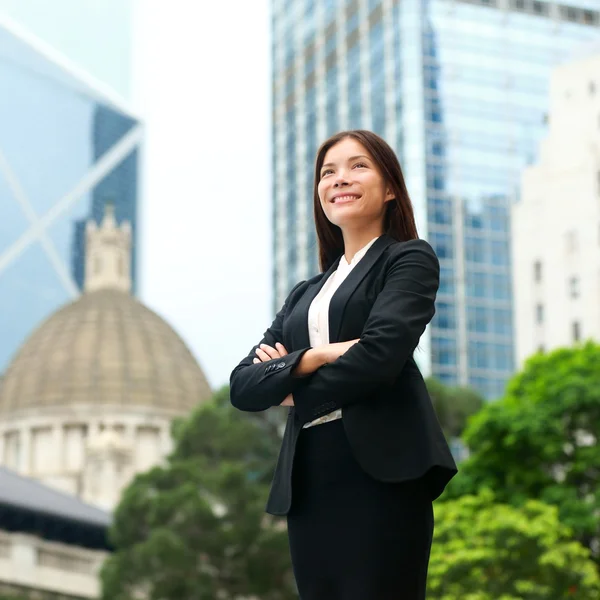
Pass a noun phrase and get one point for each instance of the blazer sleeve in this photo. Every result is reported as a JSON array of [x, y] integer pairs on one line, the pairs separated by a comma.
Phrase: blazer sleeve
[[258, 386], [391, 333]]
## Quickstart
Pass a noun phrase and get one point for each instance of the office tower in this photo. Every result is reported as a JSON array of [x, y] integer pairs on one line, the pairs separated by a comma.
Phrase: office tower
[[556, 223], [459, 88], [67, 146]]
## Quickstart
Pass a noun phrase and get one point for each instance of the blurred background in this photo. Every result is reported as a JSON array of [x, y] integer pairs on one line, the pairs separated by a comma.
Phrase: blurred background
[[156, 208]]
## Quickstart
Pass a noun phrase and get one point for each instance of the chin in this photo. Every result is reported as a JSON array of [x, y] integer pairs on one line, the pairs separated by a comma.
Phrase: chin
[[344, 217], [349, 222]]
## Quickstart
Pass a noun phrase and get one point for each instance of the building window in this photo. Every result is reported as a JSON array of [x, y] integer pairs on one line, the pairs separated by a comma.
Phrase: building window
[[539, 313], [576, 331], [443, 351], [478, 319], [574, 287], [537, 271], [445, 316]]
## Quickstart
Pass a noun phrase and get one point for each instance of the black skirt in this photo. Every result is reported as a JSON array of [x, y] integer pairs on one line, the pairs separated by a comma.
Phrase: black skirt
[[353, 537]]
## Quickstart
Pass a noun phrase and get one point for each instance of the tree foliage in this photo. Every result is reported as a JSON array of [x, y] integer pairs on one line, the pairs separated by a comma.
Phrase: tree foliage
[[483, 550], [453, 406], [195, 528], [540, 441]]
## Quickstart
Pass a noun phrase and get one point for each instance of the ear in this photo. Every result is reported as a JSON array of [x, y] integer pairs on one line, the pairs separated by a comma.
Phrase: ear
[[389, 195]]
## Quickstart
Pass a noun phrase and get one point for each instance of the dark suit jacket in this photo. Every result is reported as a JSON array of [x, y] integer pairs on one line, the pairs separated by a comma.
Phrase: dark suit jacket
[[386, 301]]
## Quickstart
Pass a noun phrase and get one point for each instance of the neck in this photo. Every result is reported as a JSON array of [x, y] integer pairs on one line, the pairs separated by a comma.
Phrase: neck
[[356, 239]]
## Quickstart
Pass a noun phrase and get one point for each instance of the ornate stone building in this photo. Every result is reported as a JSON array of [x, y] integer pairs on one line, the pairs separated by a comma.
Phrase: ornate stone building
[[52, 545], [89, 398]]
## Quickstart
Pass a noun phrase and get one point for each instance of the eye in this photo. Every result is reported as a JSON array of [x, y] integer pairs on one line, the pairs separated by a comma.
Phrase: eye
[[359, 165], [326, 172]]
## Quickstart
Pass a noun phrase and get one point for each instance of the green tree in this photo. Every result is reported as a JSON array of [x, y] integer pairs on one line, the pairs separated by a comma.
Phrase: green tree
[[540, 441], [195, 528], [453, 405], [488, 551]]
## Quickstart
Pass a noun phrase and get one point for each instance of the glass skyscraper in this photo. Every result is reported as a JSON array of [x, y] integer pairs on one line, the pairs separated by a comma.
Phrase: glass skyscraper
[[460, 89], [67, 146]]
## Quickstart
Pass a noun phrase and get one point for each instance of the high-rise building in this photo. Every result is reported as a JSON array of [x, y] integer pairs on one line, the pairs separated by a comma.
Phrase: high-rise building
[[459, 88], [68, 145], [556, 223]]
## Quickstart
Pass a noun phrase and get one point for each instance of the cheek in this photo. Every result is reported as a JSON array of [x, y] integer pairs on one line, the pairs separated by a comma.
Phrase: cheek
[[321, 189]]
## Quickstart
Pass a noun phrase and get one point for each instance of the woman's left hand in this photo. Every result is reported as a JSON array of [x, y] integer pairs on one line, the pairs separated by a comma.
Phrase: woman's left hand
[[265, 353]]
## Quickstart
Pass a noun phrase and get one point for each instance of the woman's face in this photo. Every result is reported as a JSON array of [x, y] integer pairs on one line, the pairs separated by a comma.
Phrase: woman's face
[[351, 189]]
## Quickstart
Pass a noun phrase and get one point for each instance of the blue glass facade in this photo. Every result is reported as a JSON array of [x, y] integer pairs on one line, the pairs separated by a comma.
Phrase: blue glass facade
[[64, 152], [460, 89]]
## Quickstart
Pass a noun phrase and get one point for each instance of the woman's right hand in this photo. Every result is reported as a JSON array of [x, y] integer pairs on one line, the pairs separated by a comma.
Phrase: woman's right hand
[[315, 358], [334, 351]]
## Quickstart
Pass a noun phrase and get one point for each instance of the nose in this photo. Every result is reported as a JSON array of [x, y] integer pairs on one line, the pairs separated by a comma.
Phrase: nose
[[340, 180]]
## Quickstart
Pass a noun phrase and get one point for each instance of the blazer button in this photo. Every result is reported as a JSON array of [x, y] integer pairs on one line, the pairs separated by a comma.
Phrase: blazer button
[[280, 365]]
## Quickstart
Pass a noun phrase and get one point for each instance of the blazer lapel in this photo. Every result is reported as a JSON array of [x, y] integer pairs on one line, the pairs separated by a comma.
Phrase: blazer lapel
[[299, 314], [345, 291]]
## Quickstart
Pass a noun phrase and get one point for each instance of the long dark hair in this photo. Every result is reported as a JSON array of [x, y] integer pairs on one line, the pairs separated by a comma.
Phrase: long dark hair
[[399, 219]]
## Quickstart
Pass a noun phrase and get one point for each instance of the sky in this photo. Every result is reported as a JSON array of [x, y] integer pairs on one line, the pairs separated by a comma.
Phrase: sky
[[199, 75], [202, 82]]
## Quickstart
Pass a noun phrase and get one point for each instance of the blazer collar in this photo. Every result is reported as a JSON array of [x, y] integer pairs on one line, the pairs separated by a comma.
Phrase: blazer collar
[[303, 304], [342, 294]]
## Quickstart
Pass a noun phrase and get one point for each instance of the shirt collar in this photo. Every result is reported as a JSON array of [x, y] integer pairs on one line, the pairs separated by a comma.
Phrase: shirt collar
[[358, 255]]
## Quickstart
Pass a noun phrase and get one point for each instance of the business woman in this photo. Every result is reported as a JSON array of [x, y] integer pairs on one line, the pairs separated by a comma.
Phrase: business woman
[[363, 455]]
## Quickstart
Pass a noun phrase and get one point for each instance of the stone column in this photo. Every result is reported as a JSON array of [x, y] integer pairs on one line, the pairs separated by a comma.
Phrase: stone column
[[25, 450], [58, 442]]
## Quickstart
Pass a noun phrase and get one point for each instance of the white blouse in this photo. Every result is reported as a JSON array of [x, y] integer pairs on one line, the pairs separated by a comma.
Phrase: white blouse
[[318, 315]]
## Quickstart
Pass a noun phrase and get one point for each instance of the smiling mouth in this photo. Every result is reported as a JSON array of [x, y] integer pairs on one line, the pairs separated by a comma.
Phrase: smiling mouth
[[344, 199]]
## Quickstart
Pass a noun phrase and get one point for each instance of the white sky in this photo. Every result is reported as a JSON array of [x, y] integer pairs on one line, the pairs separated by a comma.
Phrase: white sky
[[201, 79]]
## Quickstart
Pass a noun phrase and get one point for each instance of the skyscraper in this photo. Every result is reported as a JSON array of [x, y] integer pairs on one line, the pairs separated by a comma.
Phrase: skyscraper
[[459, 88], [556, 223], [67, 145]]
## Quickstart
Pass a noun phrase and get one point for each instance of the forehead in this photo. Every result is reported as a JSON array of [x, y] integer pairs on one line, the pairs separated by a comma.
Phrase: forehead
[[343, 150]]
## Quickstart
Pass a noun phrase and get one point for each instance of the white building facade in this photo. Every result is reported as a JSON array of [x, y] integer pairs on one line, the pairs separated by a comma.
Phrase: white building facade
[[556, 223]]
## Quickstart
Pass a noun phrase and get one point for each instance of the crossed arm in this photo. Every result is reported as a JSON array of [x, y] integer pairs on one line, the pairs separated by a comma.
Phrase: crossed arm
[[311, 360], [328, 377]]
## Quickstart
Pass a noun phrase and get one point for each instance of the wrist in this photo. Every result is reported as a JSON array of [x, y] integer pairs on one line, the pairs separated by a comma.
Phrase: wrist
[[312, 360]]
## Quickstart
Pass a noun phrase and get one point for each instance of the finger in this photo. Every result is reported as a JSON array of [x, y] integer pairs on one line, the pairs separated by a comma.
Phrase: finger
[[281, 349], [269, 350], [263, 356], [256, 360]]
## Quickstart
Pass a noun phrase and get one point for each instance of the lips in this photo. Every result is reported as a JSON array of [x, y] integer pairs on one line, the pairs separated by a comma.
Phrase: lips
[[344, 199]]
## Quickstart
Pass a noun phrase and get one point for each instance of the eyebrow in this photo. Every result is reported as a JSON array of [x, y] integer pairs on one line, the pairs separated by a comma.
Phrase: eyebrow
[[349, 160]]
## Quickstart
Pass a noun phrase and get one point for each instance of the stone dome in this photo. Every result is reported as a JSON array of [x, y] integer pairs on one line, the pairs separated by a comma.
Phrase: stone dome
[[106, 348]]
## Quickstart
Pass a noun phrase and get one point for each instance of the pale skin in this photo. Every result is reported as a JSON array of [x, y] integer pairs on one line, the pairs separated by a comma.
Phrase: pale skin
[[353, 196]]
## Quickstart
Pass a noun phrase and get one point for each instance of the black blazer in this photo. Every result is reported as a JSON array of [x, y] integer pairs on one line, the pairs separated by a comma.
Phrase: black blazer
[[386, 301]]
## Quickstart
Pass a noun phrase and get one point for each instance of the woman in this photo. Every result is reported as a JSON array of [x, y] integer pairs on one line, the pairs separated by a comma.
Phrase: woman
[[363, 455]]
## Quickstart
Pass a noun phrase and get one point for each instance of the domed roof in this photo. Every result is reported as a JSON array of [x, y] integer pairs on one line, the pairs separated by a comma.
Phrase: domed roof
[[106, 348]]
